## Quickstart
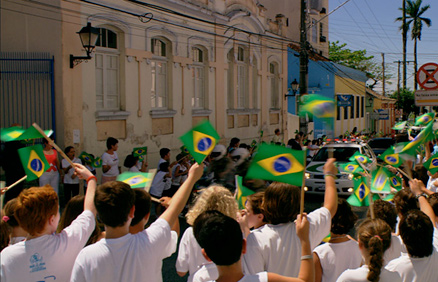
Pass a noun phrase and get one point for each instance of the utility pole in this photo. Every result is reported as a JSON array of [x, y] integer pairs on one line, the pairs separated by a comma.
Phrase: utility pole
[[405, 34], [398, 79], [304, 61], [383, 73]]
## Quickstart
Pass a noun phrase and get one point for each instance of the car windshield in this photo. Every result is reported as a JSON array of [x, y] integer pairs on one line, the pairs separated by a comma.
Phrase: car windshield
[[342, 154], [381, 143]]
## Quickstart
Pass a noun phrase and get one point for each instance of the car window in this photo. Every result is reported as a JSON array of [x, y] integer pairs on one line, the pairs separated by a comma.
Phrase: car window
[[381, 143], [342, 154]]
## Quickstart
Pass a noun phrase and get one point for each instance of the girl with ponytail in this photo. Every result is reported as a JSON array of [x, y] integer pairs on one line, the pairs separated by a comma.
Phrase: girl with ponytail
[[374, 238]]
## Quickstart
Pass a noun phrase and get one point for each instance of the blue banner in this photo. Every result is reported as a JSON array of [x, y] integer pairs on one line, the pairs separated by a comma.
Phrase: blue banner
[[344, 100]]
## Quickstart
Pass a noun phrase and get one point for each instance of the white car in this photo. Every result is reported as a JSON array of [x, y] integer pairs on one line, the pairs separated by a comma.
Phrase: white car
[[342, 151]]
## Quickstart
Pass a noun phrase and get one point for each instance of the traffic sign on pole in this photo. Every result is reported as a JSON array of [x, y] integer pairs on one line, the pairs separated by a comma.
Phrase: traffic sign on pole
[[427, 76]]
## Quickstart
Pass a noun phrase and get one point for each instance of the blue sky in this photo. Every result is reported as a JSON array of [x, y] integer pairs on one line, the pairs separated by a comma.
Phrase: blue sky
[[370, 25]]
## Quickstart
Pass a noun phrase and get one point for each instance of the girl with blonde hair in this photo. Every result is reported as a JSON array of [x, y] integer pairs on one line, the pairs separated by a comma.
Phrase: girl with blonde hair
[[190, 257]]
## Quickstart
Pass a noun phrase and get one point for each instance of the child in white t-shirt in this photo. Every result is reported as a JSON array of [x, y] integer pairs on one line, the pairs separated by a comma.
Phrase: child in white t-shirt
[[44, 253]]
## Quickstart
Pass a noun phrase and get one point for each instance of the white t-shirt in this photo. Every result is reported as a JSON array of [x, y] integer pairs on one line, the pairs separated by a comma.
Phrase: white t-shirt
[[394, 251], [277, 248], [133, 169], [360, 275], [335, 258], [206, 272], [49, 256], [416, 269], [160, 183], [69, 174], [178, 180], [259, 277], [190, 257], [113, 161], [430, 185], [314, 150], [132, 258]]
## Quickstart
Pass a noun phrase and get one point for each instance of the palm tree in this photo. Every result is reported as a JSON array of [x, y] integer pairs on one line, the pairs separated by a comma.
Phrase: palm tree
[[414, 13]]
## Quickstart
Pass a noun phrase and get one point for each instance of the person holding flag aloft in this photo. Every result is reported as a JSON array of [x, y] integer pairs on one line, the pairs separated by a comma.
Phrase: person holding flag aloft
[[50, 176]]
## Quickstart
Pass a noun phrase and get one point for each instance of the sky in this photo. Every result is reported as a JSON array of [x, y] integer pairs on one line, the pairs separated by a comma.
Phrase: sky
[[370, 25]]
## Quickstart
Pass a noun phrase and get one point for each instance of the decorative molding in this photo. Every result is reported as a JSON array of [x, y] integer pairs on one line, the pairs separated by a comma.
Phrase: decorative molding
[[201, 112], [112, 115], [162, 113], [242, 111]]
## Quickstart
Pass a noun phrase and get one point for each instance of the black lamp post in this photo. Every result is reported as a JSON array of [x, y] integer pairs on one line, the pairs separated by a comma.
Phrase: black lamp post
[[294, 87], [89, 36]]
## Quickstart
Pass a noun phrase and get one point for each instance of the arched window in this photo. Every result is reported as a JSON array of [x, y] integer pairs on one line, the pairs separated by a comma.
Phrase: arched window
[[242, 78], [159, 72], [199, 75], [107, 71], [274, 80]]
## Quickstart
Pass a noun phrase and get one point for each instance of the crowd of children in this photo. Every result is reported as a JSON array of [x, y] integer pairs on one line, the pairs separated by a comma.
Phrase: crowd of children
[[102, 236]]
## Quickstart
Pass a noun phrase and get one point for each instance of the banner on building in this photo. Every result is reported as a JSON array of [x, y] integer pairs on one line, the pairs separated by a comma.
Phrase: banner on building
[[383, 114], [344, 100]]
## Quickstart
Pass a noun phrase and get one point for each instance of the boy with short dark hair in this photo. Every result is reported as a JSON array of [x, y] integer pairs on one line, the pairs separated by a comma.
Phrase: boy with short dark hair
[[122, 256], [222, 242], [142, 211], [110, 161], [45, 254]]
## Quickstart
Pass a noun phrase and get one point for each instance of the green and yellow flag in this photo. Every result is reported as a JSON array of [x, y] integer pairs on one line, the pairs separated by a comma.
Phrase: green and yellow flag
[[432, 164], [358, 157], [97, 162], [380, 181], [400, 126], [11, 133], [424, 136], [391, 158], [395, 182], [137, 179], [242, 192], [352, 167], [359, 198], [425, 119], [87, 158], [34, 162], [33, 133], [140, 151], [318, 106], [278, 163], [201, 140]]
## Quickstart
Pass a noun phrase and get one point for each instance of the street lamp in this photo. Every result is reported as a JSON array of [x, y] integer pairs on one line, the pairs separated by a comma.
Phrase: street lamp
[[294, 87], [89, 36]]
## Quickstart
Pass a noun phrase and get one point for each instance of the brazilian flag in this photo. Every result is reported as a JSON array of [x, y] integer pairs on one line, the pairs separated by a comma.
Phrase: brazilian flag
[[400, 126], [359, 198], [253, 143], [242, 192], [11, 133], [424, 136], [87, 158], [352, 167], [380, 181], [137, 179], [425, 119], [358, 157], [432, 164], [391, 158], [395, 182], [97, 162], [200, 140], [33, 133], [278, 163], [33, 160], [318, 106], [140, 151]]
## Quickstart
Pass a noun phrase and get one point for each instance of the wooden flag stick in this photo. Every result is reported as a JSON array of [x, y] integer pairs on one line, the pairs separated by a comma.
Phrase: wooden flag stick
[[404, 173], [15, 183], [155, 200], [303, 184], [53, 144]]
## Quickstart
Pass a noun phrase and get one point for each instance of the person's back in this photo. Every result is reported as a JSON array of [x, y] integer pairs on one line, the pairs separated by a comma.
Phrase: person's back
[[44, 254]]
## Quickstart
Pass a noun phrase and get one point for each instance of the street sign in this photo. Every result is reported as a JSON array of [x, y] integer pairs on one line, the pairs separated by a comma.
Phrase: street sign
[[383, 114], [427, 76], [426, 98]]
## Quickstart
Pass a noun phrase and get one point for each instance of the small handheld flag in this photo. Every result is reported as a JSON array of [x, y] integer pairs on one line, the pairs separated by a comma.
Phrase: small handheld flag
[[137, 179], [358, 157], [140, 151], [391, 158], [352, 167], [33, 160], [253, 143], [425, 119], [201, 140], [87, 158], [319, 106], [242, 192], [432, 164], [395, 182], [380, 181], [33, 133], [400, 125], [424, 136], [11, 133], [277, 163], [97, 162], [359, 198]]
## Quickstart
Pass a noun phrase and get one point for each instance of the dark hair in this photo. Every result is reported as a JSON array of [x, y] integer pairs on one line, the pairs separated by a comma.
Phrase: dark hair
[[294, 144], [433, 201], [67, 149], [113, 201], [142, 205], [72, 210], [164, 166], [385, 211], [9, 211], [256, 202], [180, 156], [344, 218], [416, 231], [111, 141], [234, 141], [405, 201], [220, 237], [130, 161], [281, 202], [164, 152], [277, 130], [375, 235], [45, 140]]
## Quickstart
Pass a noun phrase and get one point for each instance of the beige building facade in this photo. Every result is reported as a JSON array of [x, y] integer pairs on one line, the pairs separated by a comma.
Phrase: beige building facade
[[157, 69]]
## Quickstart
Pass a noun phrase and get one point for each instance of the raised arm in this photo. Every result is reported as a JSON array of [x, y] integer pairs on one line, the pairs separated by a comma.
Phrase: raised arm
[[331, 193], [83, 173], [416, 187], [181, 196]]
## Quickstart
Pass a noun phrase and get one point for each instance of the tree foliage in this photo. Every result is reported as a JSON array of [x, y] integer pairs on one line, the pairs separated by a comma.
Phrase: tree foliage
[[359, 60], [406, 101]]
